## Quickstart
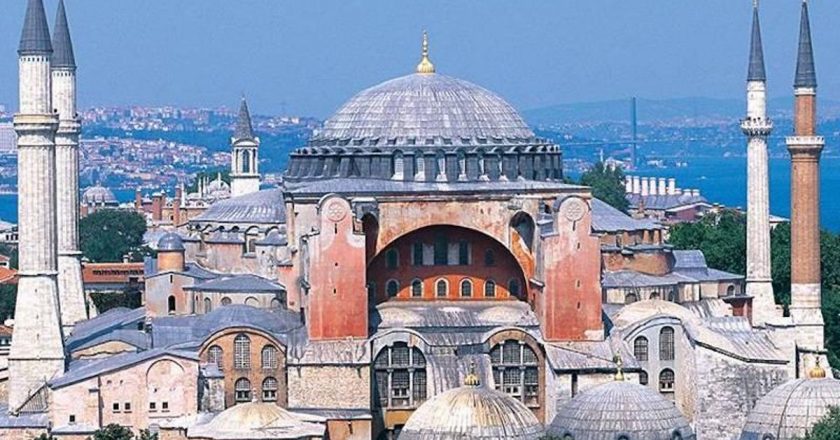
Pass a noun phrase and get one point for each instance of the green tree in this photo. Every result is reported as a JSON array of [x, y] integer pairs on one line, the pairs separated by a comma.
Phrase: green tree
[[145, 434], [113, 432], [129, 298], [607, 185], [826, 429], [44, 436], [8, 296], [721, 237], [108, 235]]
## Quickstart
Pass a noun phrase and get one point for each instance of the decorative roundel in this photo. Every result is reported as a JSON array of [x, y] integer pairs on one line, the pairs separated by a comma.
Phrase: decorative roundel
[[574, 209], [336, 211]]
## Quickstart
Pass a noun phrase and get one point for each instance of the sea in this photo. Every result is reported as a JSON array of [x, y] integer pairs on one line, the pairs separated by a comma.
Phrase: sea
[[720, 179]]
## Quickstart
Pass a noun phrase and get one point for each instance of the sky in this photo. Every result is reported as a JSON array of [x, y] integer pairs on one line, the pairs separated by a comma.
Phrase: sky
[[307, 57]]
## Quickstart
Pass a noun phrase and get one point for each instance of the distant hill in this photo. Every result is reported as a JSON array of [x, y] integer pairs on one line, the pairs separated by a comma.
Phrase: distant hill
[[661, 111]]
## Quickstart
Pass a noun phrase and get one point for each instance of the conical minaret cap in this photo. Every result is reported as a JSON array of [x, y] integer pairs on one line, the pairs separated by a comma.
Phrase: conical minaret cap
[[244, 129], [62, 44], [756, 70], [35, 38], [806, 74]]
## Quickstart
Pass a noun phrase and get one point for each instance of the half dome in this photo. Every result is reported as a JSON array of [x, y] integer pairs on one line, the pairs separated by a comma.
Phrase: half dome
[[258, 420]]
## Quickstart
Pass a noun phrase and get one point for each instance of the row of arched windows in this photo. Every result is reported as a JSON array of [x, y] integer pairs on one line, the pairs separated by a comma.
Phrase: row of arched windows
[[242, 355], [666, 380], [669, 294], [392, 288], [207, 303], [242, 390], [666, 346]]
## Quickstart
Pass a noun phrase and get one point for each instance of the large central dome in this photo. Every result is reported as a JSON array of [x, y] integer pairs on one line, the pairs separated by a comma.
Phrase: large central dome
[[419, 107]]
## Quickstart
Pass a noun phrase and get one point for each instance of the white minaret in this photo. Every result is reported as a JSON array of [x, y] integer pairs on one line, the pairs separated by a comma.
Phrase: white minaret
[[37, 352], [757, 126], [71, 293], [244, 162]]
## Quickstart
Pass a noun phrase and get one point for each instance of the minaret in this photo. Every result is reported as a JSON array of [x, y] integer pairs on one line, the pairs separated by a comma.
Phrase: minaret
[[70, 289], [805, 148], [37, 352], [757, 126], [244, 172]]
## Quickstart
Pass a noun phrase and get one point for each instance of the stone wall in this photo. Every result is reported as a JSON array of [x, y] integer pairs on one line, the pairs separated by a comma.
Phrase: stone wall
[[329, 386]]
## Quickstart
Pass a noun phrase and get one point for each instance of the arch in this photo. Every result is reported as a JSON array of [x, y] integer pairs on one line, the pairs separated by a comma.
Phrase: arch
[[251, 236], [251, 301], [392, 288], [215, 355], [516, 371], [466, 289], [666, 344], [490, 289], [630, 298], [524, 227], [666, 381], [417, 288], [242, 352], [276, 304], [171, 305], [268, 357], [208, 305], [242, 390], [640, 349], [441, 288], [226, 301], [269, 389]]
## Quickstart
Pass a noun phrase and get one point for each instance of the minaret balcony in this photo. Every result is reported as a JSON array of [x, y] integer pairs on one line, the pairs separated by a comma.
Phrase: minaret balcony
[[805, 144], [756, 126]]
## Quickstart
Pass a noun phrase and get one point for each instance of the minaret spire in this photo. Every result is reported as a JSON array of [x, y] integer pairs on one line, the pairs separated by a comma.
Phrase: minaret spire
[[806, 74], [756, 70], [245, 162], [35, 38], [244, 127], [63, 56]]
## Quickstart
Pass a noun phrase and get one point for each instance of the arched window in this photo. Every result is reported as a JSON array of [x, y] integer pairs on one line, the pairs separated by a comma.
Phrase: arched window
[[171, 304], [440, 163], [393, 287], [400, 376], [490, 289], [730, 291], [643, 378], [417, 288], [640, 349], [516, 371], [676, 436], [241, 352], [419, 166], [466, 288], [463, 253], [513, 287], [441, 289], [523, 224], [269, 389], [269, 357], [655, 295], [666, 381], [276, 304], [630, 298], [251, 240], [392, 259], [215, 355], [666, 344], [208, 305], [672, 296], [242, 390], [251, 301], [398, 166], [225, 301], [489, 258]]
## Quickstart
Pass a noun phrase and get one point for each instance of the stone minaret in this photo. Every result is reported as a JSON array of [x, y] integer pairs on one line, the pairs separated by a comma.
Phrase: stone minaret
[[244, 172], [805, 148], [37, 352], [757, 126], [70, 288]]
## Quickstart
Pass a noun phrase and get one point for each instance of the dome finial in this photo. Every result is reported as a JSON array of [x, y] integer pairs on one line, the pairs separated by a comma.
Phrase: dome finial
[[425, 67], [472, 380], [619, 364], [818, 372]]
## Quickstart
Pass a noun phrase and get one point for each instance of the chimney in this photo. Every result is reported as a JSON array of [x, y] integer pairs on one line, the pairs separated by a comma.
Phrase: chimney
[[672, 186], [662, 187], [628, 184], [652, 186], [138, 200], [637, 185], [645, 187], [157, 207]]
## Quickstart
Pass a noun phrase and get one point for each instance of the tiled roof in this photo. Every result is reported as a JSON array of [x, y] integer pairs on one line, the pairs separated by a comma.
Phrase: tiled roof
[[791, 409], [86, 370], [262, 207], [375, 186], [453, 315], [239, 284], [664, 202], [605, 218]]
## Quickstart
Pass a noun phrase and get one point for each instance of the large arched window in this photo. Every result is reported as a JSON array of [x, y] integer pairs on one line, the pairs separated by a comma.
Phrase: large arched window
[[171, 304], [640, 349], [400, 375], [513, 287], [516, 371], [269, 389], [490, 289], [208, 305], [466, 288], [417, 288], [666, 381], [215, 355], [392, 287], [242, 390], [523, 224], [269, 357], [666, 344], [241, 352], [441, 288]]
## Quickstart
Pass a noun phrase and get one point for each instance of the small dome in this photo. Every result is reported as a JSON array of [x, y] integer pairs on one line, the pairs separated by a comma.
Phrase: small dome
[[472, 412], [258, 420], [99, 195], [218, 189], [170, 242], [620, 410], [791, 409]]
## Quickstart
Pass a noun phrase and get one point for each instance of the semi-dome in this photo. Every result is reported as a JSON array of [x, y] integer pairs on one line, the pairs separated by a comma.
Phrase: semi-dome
[[792, 408], [259, 420], [620, 410], [99, 195], [472, 412]]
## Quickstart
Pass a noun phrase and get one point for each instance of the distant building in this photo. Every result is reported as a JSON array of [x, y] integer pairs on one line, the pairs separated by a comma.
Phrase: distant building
[[8, 137], [660, 199], [97, 198]]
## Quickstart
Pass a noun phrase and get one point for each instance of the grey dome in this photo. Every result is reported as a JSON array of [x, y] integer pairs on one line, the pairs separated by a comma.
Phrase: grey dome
[[261, 207], [422, 107], [472, 413], [620, 409], [99, 195], [170, 242], [791, 409]]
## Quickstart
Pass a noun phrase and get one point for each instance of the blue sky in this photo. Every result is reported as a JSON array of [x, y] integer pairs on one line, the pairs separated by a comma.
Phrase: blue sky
[[310, 56]]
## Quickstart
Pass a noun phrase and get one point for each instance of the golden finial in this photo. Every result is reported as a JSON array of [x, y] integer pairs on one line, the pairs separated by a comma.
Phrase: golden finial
[[472, 380], [619, 364], [818, 372], [425, 67]]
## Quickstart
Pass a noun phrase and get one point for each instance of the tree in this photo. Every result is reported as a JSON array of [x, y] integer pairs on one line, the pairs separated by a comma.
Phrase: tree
[[130, 298], [607, 185], [721, 237], [145, 434], [45, 436], [108, 235], [8, 296], [826, 429], [113, 432]]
